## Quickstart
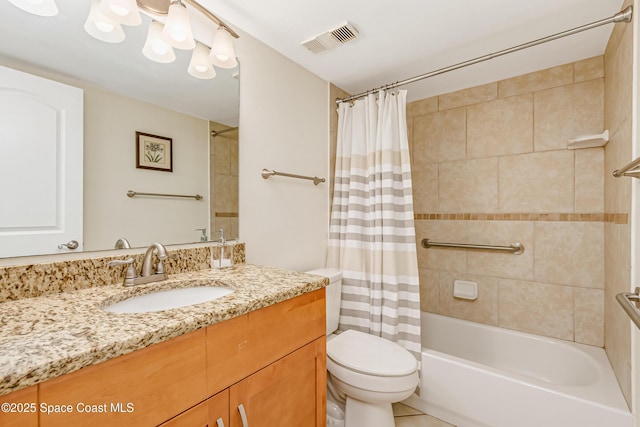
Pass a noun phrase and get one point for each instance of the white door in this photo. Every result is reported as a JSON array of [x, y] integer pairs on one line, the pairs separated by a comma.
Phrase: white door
[[41, 135]]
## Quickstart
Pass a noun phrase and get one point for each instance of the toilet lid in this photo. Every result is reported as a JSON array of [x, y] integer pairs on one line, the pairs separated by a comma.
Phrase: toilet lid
[[369, 354]]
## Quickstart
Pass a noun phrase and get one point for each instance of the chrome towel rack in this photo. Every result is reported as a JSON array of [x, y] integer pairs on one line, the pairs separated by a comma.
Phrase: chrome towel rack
[[268, 173], [132, 193], [515, 248], [629, 302], [630, 169]]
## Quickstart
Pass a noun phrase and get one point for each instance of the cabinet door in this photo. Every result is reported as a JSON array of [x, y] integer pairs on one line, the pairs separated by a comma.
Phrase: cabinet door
[[290, 392], [143, 388], [213, 412], [19, 409]]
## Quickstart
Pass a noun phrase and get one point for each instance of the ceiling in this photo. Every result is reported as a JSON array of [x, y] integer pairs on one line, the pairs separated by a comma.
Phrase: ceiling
[[397, 40], [403, 39]]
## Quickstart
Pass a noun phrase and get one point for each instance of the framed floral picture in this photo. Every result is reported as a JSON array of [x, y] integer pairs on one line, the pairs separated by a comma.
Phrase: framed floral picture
[[154, 152]]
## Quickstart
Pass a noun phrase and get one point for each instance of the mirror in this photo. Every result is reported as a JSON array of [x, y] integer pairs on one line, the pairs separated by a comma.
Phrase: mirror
[[125, 93]]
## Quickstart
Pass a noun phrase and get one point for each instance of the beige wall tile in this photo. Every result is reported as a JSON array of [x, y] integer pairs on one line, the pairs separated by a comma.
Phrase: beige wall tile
[[442, 259], [468, 186], [589, 316], [537, 182], [429, 290], [439, 137], [501, 127], [588, 69], [423, 106], [474, 95], [617, 153], [501, 233], [483, 309], [619, 63], [539, 80], [567, 112], [589, 178], [538, 308], [570, 253], [425, 188]]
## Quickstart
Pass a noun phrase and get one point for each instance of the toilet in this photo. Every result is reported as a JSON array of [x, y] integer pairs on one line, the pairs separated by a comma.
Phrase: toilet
[[368, 372]]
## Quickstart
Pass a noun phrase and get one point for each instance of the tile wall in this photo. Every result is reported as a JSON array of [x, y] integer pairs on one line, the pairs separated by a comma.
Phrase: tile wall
[[223, 151], [490, 165], [618, 66]]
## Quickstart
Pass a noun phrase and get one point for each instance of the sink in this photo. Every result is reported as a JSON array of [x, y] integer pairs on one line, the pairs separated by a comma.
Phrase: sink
[[167, 299]]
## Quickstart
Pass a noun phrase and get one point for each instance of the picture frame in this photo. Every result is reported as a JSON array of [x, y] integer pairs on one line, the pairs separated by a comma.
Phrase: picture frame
[[154, 152]]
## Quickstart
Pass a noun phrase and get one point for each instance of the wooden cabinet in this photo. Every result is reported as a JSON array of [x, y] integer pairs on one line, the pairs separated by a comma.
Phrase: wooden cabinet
[[270, 362], [142, 388], [213, 412], [20, 409], [289, 392]]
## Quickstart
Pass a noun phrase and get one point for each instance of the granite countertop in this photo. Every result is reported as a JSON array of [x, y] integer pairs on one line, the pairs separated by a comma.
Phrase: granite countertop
[[48, 336]]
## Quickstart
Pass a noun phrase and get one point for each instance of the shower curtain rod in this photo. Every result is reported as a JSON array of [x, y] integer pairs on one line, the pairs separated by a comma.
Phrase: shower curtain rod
[[623, 16]]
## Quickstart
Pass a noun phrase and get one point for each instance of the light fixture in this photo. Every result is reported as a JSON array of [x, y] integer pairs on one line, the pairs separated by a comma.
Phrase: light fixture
[[37, 7], [177, 29], [222, 53], [155, 47], [124, 11], [200, 67], [102, 27], [106, 18]]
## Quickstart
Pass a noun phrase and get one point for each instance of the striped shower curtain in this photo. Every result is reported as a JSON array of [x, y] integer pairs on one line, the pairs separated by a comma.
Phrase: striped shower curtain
[[372, 235]]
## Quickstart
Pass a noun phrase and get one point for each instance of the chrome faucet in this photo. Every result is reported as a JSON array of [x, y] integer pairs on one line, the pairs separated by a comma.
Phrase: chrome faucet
[[148, 273]]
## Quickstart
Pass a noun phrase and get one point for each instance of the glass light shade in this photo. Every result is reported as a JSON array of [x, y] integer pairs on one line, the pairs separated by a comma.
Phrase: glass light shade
[[102, 27], [155, 47], [37, 7], [222, 53], [200, 67], [123, 11], [177, 28]]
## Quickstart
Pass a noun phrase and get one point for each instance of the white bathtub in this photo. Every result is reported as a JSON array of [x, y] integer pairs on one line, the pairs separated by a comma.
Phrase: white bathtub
[[476, 375]]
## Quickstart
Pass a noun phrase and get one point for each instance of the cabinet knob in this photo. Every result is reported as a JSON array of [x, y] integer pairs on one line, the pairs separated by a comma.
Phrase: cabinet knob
[[243, 415]]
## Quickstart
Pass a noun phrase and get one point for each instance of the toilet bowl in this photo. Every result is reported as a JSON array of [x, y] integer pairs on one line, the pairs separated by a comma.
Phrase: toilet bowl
[[368, 372]]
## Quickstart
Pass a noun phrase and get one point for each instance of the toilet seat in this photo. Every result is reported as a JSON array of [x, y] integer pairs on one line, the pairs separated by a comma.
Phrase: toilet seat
[[370, 355], [371, 363]]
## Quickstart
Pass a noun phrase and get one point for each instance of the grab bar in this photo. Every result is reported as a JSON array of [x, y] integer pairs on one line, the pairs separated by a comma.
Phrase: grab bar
[[515, 248], [268, 173], [630, 169], [629, 302], [132, 193]]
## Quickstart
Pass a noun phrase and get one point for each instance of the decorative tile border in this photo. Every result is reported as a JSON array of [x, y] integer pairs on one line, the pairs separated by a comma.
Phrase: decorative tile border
[[615, 218]]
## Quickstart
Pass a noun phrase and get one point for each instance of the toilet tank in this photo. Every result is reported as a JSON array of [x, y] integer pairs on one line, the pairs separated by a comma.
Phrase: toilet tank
[[333, 296]]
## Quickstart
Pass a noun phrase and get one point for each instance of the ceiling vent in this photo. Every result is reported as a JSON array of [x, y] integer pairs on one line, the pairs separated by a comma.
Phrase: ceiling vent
[[328, 40]]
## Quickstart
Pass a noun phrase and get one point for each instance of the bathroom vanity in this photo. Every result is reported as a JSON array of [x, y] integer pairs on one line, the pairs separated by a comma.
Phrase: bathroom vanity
[[255, 357]]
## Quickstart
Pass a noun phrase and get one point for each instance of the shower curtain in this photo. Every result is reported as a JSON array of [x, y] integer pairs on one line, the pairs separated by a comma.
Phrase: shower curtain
[[372, 235]]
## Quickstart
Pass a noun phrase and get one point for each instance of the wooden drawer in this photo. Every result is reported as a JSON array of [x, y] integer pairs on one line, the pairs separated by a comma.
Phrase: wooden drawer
[[20, 408], [239, 347], [142, 388]]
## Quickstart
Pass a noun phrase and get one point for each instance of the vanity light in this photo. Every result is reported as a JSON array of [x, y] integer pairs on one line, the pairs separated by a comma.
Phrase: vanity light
[[222, 53], [102, 27], [177, 29], [124, 11], [200, 67], [155, 47], [37, 7]]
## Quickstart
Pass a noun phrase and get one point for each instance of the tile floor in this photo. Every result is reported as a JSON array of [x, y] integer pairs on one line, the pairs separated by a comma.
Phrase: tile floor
[[409, 417]]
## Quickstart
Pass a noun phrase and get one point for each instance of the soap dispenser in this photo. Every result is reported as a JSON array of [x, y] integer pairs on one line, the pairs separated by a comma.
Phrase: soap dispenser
[[222, 253]]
